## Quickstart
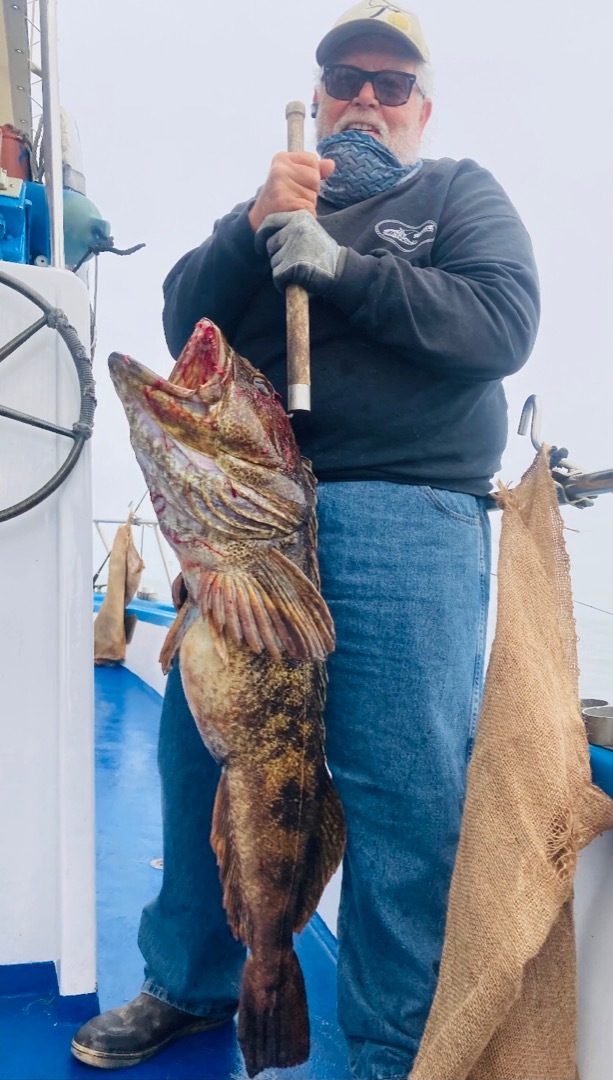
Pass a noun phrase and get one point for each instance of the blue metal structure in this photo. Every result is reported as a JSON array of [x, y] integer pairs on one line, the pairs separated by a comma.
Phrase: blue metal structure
[[24, 224], [14, 223]]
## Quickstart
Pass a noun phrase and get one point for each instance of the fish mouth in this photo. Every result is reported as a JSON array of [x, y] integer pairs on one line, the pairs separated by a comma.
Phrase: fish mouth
[[204, 362], [128, 374], [164, 409], [204, 358]]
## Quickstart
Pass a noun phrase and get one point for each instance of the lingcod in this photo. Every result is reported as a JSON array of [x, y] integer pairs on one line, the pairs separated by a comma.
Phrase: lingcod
[[237, 503]]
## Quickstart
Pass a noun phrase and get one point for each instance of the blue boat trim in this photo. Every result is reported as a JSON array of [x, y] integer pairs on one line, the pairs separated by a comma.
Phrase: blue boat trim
[[602, 768], [152, 611], [16, 979]]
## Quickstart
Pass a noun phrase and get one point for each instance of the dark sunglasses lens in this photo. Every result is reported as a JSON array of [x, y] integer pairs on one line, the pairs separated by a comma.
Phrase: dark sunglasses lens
[[343, 83], [393, 87], [390, 87]]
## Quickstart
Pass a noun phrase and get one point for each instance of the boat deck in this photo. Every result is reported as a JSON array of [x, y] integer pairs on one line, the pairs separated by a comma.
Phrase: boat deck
[[36, 1027]]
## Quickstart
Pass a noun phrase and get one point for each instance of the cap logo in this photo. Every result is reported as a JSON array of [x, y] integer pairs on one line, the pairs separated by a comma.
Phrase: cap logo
[[398, 20], [383, 9]]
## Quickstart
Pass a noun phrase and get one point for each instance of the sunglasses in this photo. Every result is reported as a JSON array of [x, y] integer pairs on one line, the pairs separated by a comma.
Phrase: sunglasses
[[344, 83]]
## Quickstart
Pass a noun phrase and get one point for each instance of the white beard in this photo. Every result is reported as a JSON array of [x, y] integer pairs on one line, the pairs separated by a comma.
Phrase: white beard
[[405, 144]]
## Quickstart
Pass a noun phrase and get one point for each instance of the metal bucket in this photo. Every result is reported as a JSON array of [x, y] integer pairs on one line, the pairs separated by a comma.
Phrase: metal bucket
[[592, 703], [599, 725]]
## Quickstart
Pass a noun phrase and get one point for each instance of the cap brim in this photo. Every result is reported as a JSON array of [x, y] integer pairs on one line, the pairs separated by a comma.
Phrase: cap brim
[[342, 35]]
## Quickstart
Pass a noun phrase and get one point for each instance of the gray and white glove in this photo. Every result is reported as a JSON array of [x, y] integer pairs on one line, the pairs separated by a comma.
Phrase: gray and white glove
[[301, 252]]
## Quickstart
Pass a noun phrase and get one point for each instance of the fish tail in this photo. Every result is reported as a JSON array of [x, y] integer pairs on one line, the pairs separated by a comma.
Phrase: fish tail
[[273, 1020]]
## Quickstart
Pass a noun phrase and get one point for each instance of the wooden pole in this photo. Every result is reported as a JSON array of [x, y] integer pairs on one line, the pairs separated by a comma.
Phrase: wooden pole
[[297, 298]]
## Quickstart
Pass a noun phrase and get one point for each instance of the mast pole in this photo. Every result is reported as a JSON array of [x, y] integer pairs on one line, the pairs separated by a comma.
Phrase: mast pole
[[52, 138]]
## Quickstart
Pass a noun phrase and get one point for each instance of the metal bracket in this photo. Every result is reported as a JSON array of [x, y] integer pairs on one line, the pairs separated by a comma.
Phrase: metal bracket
[[531, 413]]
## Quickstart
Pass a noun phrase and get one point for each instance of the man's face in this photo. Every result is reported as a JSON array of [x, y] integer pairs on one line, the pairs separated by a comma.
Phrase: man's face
[[399, 127]]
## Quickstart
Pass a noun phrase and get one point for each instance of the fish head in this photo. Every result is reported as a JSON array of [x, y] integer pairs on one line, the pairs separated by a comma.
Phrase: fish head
[[246, 419], [216, 420]]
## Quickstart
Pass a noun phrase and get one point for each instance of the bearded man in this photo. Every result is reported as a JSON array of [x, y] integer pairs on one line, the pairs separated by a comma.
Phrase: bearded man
[[424, 297]]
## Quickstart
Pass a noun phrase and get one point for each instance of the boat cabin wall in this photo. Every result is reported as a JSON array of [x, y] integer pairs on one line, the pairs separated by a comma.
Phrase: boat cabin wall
[[47, 900]]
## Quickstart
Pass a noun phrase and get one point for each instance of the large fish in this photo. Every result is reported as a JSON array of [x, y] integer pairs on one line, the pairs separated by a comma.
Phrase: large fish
[[237, 503]]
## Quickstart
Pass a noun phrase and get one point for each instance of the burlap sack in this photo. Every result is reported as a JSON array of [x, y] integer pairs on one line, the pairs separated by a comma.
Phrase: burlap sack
[[505, 1006], [110, 630]]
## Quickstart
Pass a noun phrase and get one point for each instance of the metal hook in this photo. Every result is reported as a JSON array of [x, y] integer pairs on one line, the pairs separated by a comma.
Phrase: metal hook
[[531, 409]]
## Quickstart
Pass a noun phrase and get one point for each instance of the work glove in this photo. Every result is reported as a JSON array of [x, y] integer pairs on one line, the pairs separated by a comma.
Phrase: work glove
[[300, 251]]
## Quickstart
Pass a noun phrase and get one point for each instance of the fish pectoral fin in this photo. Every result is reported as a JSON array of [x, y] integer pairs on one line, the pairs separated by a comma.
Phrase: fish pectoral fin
[[322, 857], [270, 606], [174, 637], [223, 845]]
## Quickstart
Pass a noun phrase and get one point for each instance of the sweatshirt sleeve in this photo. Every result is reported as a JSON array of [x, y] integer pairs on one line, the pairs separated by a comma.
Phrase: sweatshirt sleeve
[[474, 312], [215, 280]]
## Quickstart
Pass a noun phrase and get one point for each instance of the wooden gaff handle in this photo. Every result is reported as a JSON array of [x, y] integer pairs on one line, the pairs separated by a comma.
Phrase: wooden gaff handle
[[297, 298]]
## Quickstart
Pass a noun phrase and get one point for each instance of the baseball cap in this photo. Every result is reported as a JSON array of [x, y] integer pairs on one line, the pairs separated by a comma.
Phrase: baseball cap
[[375, 16]]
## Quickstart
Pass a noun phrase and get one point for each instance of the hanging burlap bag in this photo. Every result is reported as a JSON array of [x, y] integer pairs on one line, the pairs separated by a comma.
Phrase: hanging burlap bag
[[505, 1006], [112, 628]]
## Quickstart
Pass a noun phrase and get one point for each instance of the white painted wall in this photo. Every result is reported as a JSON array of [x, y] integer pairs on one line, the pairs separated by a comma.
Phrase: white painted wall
[[594, 921], [47, 895]]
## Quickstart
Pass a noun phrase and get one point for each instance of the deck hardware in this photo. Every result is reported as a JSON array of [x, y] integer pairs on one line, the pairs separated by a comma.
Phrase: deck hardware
[[531, 412]]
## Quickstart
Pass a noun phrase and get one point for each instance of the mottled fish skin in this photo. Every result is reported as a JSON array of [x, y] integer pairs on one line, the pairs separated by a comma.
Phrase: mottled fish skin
[[237, 503]]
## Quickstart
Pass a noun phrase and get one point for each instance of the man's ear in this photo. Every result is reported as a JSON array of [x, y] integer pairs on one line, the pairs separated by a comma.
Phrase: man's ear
[[426, 112]]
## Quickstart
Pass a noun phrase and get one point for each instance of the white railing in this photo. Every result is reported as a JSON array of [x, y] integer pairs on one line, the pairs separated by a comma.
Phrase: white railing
[[161, 566]]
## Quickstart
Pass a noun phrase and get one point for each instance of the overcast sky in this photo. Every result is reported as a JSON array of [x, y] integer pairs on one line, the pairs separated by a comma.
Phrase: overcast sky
[[180, 107]]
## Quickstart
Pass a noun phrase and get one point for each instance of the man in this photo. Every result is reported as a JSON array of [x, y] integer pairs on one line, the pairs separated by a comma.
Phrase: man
[[423, 297]]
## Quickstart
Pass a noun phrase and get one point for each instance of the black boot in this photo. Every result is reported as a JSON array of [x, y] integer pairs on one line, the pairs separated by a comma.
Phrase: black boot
[[136, 1031]]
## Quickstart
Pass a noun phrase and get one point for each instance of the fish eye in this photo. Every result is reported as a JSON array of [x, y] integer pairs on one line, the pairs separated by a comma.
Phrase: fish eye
[[262, 386]]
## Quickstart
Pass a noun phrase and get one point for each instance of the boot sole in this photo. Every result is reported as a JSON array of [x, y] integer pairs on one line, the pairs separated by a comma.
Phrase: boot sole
[[102, 1059]]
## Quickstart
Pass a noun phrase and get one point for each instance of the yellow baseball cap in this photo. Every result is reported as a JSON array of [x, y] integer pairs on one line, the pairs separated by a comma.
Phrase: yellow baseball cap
[[375, 16]]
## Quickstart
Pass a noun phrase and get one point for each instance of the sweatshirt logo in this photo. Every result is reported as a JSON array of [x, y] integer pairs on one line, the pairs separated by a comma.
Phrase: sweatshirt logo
[[406, 237]]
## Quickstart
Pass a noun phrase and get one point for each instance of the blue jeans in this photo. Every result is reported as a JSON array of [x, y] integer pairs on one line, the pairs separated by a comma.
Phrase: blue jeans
[[405, 570]]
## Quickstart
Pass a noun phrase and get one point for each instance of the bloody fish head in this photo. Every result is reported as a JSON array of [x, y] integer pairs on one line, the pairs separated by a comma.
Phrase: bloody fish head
[[214, 401], [215, 421]]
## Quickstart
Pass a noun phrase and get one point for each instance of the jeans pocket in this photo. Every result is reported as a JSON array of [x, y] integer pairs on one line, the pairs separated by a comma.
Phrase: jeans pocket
[[455, 504]]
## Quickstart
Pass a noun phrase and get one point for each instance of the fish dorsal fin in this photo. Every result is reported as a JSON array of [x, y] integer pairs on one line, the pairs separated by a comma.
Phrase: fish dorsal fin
[[271, 606]]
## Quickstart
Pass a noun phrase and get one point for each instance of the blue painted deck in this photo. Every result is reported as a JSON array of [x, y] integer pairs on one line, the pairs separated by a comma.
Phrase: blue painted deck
[[35, 1032]]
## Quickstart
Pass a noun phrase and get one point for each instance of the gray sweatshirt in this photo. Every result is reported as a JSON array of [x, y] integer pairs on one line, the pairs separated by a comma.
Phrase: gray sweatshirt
[[436, 302]]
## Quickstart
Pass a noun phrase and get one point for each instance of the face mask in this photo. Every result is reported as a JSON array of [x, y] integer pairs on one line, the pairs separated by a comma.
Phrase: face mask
[[364, 167]]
